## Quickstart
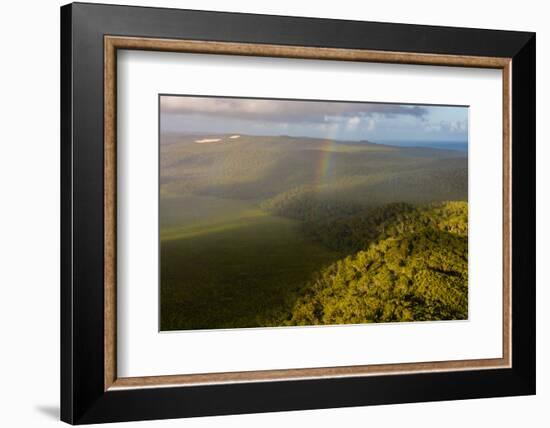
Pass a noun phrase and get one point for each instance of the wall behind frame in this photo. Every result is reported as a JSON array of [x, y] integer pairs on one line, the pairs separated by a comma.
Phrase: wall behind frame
[[29, 219]]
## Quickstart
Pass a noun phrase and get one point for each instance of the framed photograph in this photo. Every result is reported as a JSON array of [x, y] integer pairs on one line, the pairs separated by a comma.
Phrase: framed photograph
[[266, 213]]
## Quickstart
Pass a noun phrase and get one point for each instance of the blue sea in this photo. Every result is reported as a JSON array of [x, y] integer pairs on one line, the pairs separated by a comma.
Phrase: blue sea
[[458, 146]]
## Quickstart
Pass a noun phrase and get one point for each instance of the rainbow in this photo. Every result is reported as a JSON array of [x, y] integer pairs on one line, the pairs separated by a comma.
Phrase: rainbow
[[323, 163]]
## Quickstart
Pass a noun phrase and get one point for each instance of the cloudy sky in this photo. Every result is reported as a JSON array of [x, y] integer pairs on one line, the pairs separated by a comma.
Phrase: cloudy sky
[[337, 120]]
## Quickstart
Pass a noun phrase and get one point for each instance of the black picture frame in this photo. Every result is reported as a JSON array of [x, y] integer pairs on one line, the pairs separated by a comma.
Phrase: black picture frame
[[83, 397]]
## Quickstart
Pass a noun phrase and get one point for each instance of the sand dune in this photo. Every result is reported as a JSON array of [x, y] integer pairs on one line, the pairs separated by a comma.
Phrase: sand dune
[[208, 140]]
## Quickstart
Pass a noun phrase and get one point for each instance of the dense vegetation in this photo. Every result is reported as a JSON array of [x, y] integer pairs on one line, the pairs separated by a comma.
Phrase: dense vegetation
[[252, 234], [356, 232], [416, 270]]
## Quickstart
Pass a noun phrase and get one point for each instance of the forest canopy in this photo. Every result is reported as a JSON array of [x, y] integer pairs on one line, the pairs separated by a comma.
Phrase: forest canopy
[[416, 269]]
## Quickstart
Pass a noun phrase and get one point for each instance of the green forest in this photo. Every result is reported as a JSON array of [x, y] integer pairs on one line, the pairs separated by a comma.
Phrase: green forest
[[283, 231], [410, 264]]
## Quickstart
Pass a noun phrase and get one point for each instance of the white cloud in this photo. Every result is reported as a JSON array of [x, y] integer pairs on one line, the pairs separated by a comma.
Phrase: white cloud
[[352, 123], [371, 124], [273, 110]]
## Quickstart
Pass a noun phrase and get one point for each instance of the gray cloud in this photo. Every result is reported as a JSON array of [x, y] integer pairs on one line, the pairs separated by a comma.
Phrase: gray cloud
[[281, 110]]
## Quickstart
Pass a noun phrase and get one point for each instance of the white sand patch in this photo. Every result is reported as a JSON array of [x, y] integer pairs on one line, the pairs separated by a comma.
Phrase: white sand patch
[[235, 136], [208, 140]]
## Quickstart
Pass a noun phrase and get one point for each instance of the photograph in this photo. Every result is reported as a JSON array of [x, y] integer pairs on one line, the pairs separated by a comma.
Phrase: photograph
[[281, 212], [261, 213]]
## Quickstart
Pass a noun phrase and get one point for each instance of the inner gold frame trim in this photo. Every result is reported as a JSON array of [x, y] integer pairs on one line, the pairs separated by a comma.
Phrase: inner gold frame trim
[[113, 43]]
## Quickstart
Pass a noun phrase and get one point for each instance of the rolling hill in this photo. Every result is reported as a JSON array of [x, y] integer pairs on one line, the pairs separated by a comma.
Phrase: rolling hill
[[252, 167]]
